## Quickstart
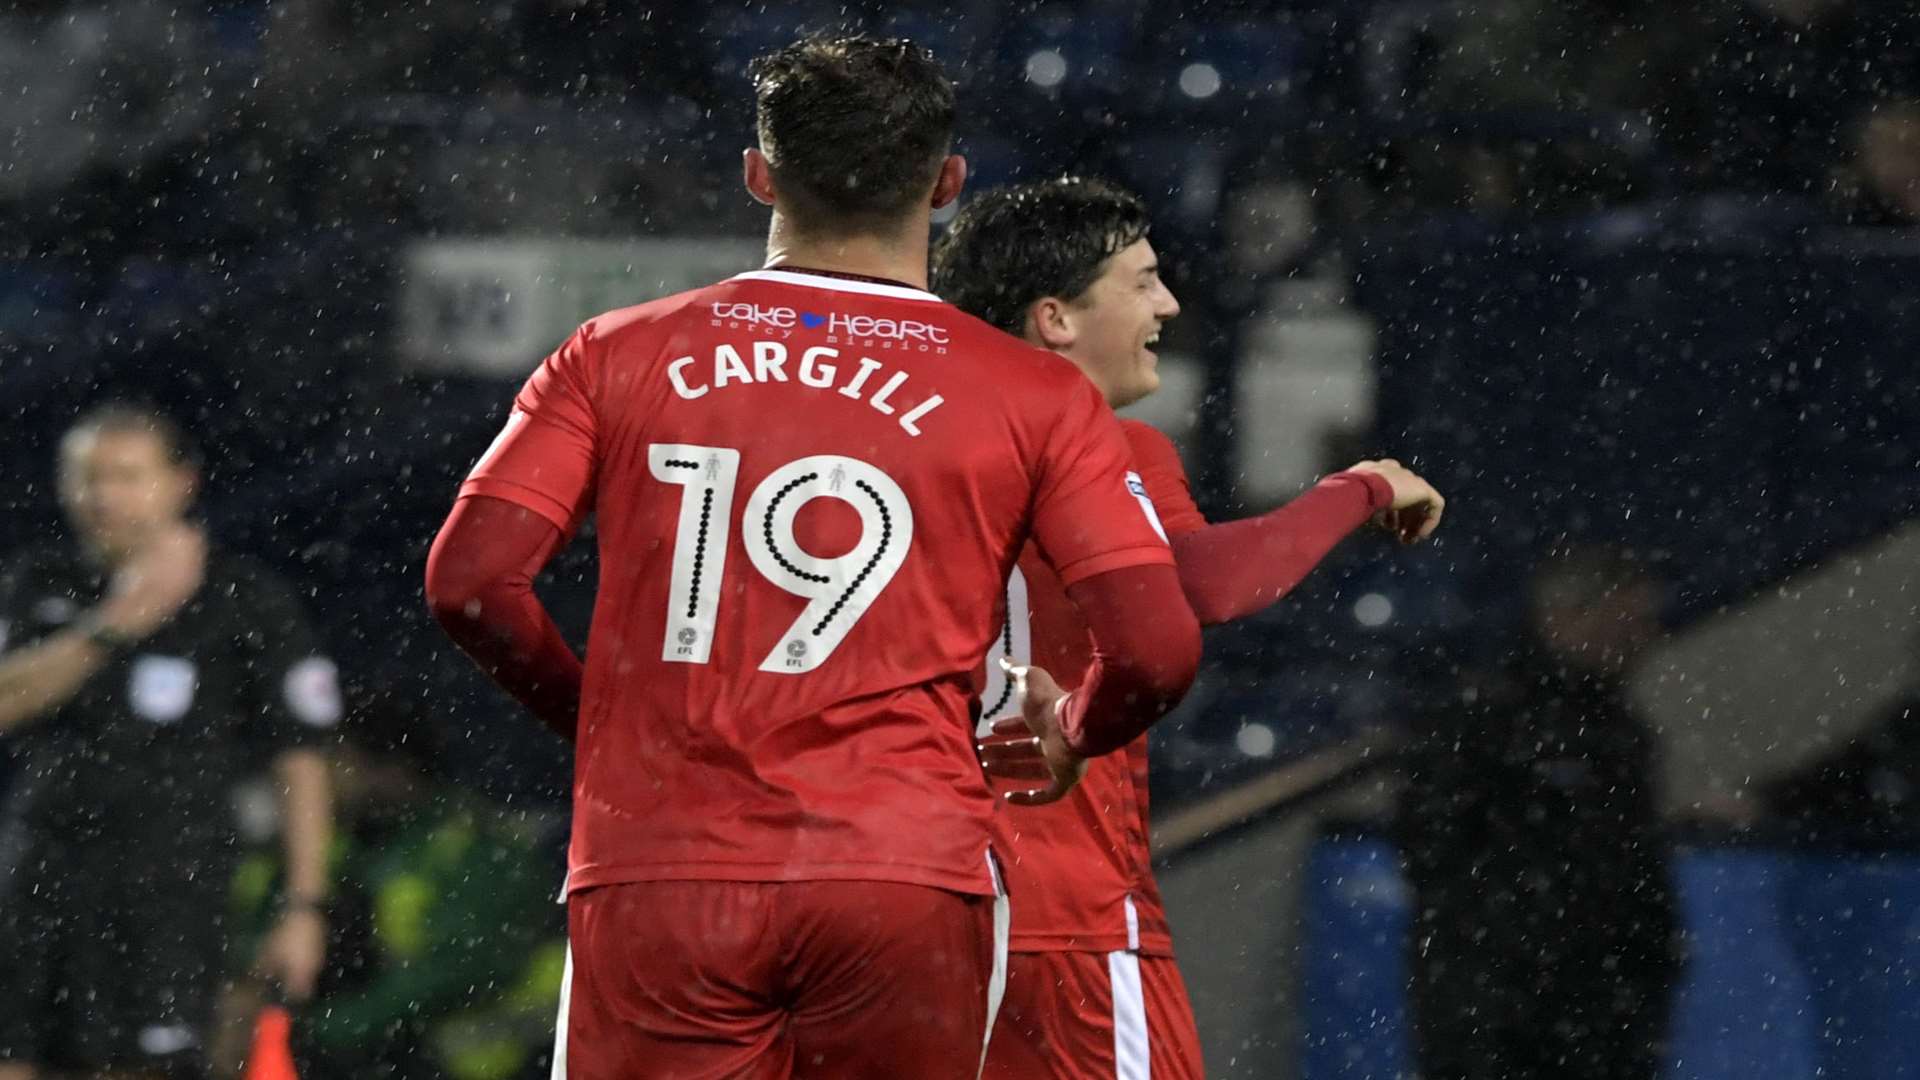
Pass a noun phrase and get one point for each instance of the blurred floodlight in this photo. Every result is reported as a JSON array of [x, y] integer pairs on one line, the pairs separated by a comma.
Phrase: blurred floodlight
[[1372, 609], [1201, 80], [1256, 740], [1046, 68]]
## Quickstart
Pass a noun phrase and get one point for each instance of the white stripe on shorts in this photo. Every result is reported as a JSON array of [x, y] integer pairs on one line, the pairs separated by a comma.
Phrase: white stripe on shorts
[[997, 982], [1132, 1059], [560, 1022]]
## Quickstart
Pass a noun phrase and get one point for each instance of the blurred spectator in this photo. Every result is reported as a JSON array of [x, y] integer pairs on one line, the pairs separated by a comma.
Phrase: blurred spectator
[[1544, 935], [448, 948], [144, 676]]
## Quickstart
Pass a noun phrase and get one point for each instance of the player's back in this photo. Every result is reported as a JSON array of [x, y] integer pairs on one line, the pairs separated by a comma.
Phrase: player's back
[[807, 488]]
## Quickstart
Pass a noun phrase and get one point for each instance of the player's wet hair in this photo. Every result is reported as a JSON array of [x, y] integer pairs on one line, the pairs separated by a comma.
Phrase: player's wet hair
[[127, 417], [1012, 246], [855, 129]]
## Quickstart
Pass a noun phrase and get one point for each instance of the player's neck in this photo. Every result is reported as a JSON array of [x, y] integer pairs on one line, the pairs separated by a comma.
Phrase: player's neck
[[902, 257]]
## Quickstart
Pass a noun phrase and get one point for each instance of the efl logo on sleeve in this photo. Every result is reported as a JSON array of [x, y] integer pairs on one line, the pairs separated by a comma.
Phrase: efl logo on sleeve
[[161, 688], [1139, 489]]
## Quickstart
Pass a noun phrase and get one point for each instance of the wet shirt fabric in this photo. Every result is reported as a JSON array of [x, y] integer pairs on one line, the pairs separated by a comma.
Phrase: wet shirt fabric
[[795, 477]]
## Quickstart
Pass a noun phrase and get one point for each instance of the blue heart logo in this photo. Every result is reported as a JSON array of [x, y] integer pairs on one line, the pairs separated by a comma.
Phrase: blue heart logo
[[811, 321]]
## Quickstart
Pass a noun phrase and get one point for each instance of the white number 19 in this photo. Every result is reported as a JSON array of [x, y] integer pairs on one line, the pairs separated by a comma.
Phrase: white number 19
[[839, 590]]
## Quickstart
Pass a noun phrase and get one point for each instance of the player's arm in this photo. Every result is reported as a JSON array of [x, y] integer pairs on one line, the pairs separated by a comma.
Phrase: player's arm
[[37, 678], [517, 508], [1234, 569], [1104, 542], [1141, 668], [480, 587], [1146, 650]]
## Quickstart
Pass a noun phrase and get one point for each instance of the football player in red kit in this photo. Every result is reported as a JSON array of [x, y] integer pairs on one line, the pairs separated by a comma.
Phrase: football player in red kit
[[1093, 990], [810, 481]]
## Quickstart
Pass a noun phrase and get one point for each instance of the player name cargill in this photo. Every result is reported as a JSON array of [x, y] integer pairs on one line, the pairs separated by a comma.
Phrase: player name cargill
[[819, 368]]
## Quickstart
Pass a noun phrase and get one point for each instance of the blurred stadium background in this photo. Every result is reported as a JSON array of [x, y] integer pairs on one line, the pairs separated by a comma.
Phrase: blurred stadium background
[[1614, 270]]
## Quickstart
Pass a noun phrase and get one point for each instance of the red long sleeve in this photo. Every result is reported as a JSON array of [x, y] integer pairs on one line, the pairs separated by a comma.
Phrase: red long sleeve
[[1234, 569], [1146, 648], [480, 588]]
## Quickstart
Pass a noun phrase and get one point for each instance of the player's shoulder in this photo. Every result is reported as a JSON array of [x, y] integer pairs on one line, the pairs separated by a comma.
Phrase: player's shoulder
[[1141, 433], [1149, 443], [625, 323]]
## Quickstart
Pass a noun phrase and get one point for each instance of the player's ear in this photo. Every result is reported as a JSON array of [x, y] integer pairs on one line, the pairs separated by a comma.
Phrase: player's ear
[[757, 172], [1050, 323], [953, 177]]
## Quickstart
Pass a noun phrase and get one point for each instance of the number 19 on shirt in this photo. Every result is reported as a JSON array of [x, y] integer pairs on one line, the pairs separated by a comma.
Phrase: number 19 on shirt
[[838, 590]]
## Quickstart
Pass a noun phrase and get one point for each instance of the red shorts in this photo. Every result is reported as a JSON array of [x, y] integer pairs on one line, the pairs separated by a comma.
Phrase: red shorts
[[1094, 1016], [703, 980]]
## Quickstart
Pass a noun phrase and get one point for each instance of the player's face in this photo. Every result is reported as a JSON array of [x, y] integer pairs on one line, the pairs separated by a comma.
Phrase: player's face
[[1118, 322], [118, 487]]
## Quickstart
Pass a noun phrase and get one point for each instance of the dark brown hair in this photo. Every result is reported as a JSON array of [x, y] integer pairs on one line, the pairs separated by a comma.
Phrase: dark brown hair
[[855, 129], [1012, 246]]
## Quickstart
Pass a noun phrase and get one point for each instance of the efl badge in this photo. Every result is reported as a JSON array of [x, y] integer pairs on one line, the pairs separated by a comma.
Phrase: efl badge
[[161, 688], [1138, 488]]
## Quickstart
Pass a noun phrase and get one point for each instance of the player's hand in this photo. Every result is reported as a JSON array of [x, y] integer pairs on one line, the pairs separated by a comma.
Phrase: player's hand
[[1040, 701], [1013, 752], [153, 585], [294, 951], [1416, 508]]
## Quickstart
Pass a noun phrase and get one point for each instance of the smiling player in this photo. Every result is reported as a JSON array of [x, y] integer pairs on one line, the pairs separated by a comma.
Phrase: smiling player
[[1093, 991]]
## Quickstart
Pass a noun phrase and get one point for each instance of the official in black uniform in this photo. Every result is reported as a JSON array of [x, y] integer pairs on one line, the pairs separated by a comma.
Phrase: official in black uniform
[[141, 675], [1545, 936]]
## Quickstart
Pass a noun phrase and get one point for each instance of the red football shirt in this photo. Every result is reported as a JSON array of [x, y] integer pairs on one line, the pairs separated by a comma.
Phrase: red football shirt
[[1080, 870], [808, 490]]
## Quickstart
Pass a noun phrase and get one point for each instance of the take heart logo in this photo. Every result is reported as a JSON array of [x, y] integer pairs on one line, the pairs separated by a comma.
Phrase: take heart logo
[[811, 321]]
